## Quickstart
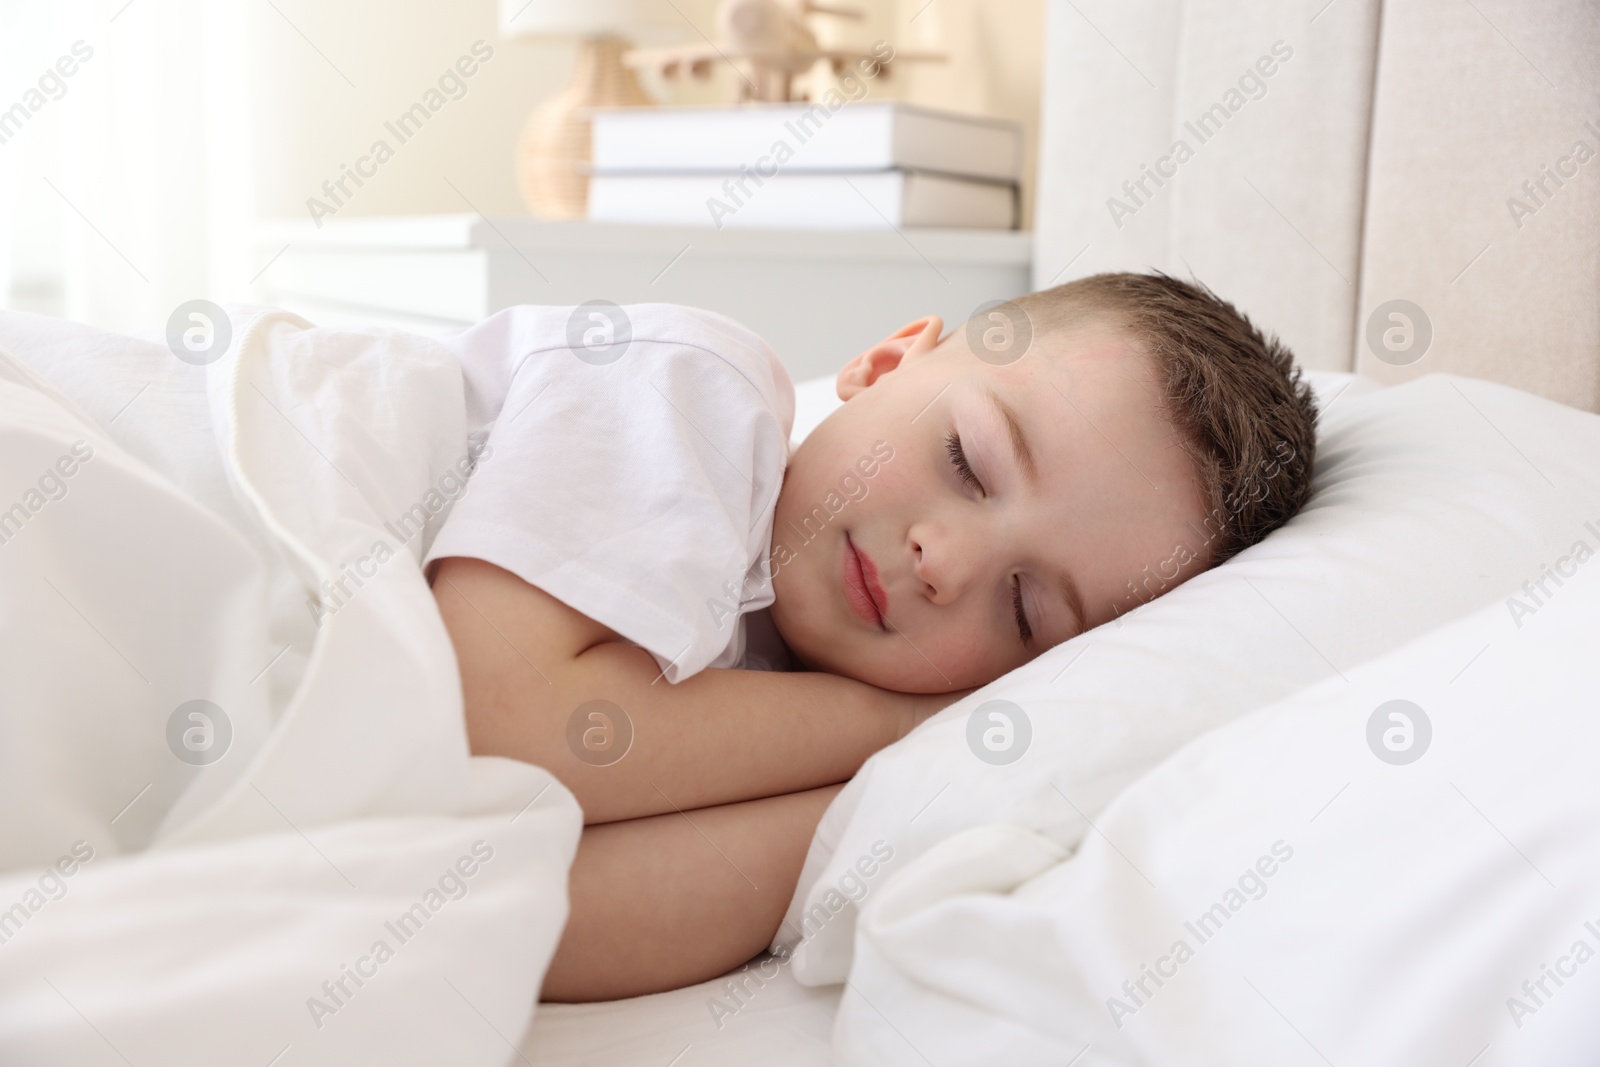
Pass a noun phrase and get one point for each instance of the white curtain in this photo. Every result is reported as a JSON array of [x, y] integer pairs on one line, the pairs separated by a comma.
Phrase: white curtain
[[124, 185]]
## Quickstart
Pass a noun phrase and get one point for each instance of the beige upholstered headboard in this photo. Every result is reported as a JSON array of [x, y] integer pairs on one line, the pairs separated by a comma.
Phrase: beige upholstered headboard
[[1319, 161]]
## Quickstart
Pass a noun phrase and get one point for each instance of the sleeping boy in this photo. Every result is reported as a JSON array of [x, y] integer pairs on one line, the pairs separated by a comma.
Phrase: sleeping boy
[[638, 537]]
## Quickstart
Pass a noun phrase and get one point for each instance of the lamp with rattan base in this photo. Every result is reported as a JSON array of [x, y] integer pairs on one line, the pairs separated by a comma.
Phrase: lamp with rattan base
[[554, 147]]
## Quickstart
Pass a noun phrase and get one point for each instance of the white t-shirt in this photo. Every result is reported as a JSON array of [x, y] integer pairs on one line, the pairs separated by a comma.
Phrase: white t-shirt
[[630, 465]]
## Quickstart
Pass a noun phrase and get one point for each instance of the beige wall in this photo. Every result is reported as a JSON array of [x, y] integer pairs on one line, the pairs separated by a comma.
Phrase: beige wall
[[309, 120]]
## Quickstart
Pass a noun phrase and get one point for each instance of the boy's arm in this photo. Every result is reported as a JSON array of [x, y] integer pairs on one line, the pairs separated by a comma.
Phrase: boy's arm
[[528, 661], [655, 905]]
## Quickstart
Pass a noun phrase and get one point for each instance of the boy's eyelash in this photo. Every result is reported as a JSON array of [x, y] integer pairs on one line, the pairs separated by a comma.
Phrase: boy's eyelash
[[958, 459], [1022, 616]]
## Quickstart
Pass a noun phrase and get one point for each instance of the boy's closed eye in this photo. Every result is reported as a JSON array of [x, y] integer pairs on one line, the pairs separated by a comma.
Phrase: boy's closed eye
[[964, 471]]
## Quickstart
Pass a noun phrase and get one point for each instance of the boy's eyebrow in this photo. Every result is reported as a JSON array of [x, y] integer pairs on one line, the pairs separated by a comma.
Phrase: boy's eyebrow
[[1019, 440]]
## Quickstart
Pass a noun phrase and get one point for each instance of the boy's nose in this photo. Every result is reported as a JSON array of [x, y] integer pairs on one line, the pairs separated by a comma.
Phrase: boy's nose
[[944, 562]]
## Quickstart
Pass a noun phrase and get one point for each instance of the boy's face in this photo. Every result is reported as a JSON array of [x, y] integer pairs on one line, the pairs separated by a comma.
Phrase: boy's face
[[1081, 503]]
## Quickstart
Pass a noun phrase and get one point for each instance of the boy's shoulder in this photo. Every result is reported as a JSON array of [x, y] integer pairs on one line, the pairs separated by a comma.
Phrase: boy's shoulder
[[670, 328], [672, 341], [697, 327]]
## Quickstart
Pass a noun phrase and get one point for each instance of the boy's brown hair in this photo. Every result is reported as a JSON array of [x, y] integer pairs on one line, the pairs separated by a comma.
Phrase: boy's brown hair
[[1247, 416]]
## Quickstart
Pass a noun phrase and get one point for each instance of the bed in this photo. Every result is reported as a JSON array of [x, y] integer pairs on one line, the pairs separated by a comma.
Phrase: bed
[[1019, 909], [1357, 760]]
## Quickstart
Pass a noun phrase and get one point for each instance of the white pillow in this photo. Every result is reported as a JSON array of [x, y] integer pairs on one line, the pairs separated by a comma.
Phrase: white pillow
[[1430, 500], [814, 400], [1313, 883]]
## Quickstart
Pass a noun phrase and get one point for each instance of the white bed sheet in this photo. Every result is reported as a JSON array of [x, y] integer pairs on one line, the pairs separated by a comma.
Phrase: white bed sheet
[[781, 1023]]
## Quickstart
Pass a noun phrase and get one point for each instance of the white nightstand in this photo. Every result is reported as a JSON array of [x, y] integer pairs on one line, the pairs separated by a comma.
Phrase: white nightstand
[[818, 297]]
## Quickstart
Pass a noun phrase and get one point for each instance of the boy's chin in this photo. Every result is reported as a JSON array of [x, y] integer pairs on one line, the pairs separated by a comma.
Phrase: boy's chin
[[815, 655], [808, 654]]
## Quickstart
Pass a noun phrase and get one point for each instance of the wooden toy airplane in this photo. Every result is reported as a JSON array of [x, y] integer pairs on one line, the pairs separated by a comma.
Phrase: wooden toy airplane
[[769, 44]]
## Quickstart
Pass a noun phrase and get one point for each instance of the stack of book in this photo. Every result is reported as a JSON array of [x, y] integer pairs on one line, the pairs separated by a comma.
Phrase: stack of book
[[866, 166]]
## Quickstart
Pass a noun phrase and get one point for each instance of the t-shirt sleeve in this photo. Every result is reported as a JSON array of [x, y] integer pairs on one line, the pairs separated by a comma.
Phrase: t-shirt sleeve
[[639, 491]]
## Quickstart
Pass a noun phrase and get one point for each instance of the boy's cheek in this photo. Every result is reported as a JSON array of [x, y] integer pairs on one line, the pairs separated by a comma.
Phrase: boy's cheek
[[896, 483], [960, 653]]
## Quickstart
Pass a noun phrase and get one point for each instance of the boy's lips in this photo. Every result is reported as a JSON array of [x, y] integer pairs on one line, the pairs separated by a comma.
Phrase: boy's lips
[[862, 589]]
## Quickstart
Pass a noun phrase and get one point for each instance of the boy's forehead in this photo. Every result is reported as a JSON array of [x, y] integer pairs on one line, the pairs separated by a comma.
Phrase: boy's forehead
[[1092, 339], [1090, 392], [1092, 358]]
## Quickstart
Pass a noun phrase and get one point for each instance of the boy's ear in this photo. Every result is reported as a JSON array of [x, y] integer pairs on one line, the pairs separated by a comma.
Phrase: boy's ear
[[909, 342]]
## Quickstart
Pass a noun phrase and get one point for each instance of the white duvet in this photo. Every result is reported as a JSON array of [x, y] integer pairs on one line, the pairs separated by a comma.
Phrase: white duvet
[[308, 865]]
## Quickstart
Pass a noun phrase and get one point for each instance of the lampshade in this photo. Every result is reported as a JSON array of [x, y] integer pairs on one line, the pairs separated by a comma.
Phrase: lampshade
[[635, 20]]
